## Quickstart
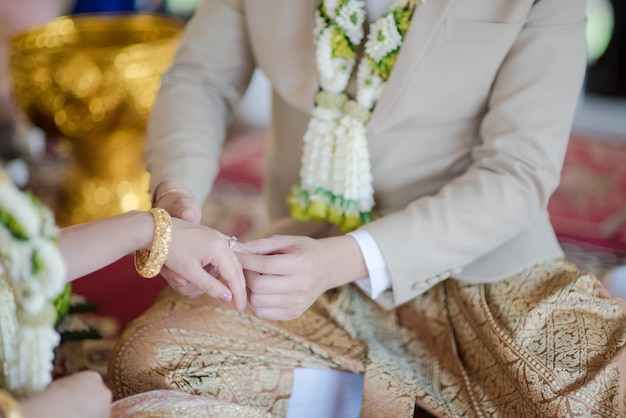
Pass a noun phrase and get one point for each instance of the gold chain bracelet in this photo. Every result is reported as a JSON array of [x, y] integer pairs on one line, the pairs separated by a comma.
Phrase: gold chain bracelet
[[149, 263], [9, 407]]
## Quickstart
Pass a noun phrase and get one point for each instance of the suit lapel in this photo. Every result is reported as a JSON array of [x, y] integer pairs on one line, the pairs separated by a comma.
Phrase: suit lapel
[[424, 25]]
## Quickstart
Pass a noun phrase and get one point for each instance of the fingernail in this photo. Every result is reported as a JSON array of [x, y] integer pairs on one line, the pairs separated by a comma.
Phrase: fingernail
[[227, 297], [243, 305]]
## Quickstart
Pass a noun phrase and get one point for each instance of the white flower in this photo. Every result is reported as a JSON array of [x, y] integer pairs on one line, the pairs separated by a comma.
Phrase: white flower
[[49, 228], [335, 157], [53, 275], [331, 7], [350, 19], [38, 347], [20, 208], [315, 171], [383, 38], [320, 24], [16, 257], [32, 299], [32, 274], [334, 73], [369, 86]]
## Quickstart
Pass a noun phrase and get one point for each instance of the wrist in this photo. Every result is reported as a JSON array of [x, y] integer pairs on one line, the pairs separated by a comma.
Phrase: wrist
[[345, 260], [168, 187], [142, 225], [148, 262]]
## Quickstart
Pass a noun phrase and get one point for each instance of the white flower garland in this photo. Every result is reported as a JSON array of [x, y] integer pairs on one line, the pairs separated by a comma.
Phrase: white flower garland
[[32, 275], [335, 175]]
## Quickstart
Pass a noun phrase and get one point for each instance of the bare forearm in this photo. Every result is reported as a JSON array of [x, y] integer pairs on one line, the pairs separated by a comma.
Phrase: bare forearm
[[90, 246]]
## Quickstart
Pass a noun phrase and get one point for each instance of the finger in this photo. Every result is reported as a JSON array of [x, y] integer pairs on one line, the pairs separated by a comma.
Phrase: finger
[[272, 245], [189, 215], [264, 284], [172, 277], [190, 290], [276, 264], [232, 273], [181, 206], [258, 301], [275, 314], [251, 275], [179, 281], [174, 280], [210, 285]]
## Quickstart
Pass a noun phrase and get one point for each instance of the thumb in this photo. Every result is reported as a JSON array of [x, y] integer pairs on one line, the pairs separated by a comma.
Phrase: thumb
[[188, 214], [181, 206]]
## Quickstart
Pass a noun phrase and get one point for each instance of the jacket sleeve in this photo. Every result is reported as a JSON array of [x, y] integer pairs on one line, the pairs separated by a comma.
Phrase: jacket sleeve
[[516, 167], [209, 75]]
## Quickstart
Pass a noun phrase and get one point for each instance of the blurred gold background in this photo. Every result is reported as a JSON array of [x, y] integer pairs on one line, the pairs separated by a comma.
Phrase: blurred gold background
[[90, 80]]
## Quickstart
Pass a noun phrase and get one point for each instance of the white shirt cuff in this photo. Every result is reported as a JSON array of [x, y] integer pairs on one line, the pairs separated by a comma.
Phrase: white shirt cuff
[[379, 279]]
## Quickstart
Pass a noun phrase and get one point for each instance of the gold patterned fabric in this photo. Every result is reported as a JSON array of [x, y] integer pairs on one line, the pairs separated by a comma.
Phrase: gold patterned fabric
[[546, 342], [177, 404]]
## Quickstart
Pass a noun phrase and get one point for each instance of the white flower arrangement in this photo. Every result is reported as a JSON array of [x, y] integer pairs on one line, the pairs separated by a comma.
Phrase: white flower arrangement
[[335, 176], [350, 19], [383, 38], [32, 276]]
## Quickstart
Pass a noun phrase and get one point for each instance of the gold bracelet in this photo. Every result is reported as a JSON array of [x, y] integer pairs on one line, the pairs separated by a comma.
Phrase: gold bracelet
[[9, 407], [168, 192], [149, 263]]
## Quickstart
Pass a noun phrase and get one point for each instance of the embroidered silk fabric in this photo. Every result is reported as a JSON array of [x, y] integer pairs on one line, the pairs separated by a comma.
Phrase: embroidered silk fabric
[[546, 342]]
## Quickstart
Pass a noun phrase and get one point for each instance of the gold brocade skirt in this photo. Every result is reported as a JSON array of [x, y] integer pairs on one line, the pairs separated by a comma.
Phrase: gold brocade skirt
[[547, 342]]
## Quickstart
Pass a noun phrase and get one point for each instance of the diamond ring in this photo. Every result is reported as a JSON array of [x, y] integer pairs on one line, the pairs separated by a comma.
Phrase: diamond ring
[[232, 241]]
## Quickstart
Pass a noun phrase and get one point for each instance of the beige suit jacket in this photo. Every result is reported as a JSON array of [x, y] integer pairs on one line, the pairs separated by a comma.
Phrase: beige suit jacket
[[466, 142]]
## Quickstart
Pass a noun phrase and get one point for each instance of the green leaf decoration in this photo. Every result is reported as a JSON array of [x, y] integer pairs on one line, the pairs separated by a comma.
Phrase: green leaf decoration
[[340, 45], [14, 227], [62, 303]]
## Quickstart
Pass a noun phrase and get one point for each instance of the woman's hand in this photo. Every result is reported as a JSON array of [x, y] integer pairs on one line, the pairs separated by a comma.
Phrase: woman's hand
[[81, 395], [286, 274], [179, 202], [200, 254]]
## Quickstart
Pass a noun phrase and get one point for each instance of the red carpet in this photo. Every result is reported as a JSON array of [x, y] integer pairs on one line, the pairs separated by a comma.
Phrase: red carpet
[[119, 291], [590, 202]]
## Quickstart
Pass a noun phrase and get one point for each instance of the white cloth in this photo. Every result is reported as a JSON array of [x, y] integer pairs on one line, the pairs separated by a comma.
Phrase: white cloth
[[379, 279], [325, 393]]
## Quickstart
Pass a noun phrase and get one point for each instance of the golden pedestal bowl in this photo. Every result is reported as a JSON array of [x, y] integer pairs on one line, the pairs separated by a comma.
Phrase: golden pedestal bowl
[[92, 80]]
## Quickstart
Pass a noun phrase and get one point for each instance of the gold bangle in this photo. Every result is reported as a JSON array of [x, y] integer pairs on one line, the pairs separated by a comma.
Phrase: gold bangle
[[9, 407], [149, 263], [168, 192]]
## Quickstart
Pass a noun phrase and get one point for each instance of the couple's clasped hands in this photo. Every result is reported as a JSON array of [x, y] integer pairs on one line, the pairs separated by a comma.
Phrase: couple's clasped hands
[[278, 278]]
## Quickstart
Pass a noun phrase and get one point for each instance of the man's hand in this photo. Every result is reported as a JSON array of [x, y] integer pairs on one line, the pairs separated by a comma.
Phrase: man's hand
[[286, 274]]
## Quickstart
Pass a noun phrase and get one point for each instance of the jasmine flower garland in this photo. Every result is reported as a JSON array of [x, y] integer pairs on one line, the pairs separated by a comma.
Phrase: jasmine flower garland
[[335, 175], [32, 276]]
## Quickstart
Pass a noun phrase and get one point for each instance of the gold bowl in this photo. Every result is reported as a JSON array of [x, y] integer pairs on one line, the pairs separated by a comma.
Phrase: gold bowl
[[92, 80]]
